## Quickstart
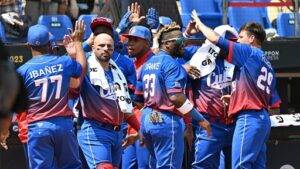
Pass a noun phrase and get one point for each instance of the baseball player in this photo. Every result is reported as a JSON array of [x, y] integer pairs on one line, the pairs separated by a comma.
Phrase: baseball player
[[217, 76], [104, 25], [161, 83], [51, 140], [100, 137], [255, 92], [139, 38]]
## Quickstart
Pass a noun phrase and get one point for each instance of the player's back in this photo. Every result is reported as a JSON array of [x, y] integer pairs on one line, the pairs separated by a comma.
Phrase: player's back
[[162, 75], [47, 80], [255, 82]]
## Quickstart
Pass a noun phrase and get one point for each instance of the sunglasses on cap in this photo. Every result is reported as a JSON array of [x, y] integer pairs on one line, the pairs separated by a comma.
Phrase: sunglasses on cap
[[178, 41]]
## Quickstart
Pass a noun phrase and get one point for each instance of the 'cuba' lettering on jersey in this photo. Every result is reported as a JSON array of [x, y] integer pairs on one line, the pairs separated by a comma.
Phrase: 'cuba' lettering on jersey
[[152, 66], [222, 79], [108, 94], [218, 81], [46, 70]]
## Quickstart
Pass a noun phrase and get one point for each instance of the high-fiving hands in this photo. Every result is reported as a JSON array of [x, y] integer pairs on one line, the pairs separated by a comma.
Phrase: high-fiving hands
[[74, 36], [195, 17], [135, 10]]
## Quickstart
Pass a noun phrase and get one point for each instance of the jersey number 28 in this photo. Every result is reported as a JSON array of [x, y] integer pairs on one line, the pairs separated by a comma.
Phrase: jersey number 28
[[44, 83], [264, 80]]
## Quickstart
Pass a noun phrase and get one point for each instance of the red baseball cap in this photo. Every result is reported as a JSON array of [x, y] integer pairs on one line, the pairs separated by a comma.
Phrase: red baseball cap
[[101, 21]]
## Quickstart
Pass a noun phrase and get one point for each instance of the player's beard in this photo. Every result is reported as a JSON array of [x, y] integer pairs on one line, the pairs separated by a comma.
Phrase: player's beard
[[177, 51], [103, 58]]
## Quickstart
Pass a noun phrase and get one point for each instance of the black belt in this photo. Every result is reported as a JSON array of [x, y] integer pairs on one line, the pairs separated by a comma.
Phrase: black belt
[[110, 126]]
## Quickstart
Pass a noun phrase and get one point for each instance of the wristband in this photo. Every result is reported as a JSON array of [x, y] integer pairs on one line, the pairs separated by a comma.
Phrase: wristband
[[186, 107], [196, 115]]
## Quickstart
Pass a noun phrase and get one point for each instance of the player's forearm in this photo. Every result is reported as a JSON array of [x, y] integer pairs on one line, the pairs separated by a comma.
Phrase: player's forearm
[[177, 99], [80, 57], [211, 35], [184, 106], [132, 121]]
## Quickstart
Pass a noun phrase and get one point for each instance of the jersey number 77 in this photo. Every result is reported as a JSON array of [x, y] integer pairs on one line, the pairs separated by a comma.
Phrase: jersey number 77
[[44, 83]]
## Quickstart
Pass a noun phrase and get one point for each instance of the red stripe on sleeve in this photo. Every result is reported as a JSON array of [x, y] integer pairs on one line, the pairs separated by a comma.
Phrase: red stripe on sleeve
[[230, 53]]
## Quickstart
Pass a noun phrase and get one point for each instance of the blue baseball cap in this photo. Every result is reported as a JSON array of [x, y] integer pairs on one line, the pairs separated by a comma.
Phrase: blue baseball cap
[[139, 32], [38, 35], [164, 20], [52, 41]]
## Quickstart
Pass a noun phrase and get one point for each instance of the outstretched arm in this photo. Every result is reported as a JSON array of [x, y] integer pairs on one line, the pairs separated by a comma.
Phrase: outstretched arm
[[73, 46], [185, 107], [211, 35]]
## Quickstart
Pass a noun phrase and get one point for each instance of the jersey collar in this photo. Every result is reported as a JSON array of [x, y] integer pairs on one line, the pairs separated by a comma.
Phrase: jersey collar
[[141, 60]]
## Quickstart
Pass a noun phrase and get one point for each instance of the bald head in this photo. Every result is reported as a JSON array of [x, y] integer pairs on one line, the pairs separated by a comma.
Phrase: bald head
[[103, 47]]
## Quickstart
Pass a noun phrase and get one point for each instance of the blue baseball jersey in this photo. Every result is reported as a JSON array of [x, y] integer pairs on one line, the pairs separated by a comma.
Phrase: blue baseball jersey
[[160, 76], [189, 51], [255, 86], [127, 67], [208, 90], [100, 104], [47, 79]]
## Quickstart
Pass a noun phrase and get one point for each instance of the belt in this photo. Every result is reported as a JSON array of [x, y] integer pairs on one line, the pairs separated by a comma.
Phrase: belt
[[110, 126]]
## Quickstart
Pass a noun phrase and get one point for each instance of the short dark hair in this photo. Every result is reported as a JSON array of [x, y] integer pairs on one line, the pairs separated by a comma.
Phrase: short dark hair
[[42, 49], [256, 30], [166, 31]]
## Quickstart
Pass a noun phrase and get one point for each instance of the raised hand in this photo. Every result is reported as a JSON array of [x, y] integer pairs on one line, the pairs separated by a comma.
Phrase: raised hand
[[124, 23], [191, 28], [78, 33], [70, 46], [195, 17], [135, 10], [152, 18]]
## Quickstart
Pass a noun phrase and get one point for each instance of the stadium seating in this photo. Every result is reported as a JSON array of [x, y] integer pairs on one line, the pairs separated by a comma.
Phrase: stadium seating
[[286, 25], [210, 19], [207, 9], [239, 16], [87, 19], [201, 6], [58, 25]]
